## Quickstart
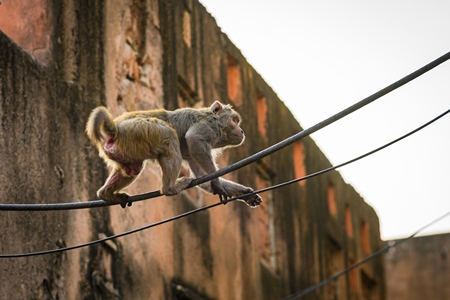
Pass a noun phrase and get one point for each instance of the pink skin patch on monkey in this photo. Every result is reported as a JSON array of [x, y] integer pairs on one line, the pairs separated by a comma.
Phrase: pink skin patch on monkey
[[110, 145], [131, 168]]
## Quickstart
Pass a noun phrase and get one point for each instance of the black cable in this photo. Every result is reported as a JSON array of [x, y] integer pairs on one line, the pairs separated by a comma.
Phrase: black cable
[[248, 160], [359, 157], [325, 122], [219, 203], [368, 258]]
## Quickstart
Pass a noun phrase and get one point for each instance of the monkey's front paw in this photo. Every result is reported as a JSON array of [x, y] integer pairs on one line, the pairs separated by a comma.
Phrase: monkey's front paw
[[217, 189], [180, 185], [223, 196], [253, 200], [224, 199]]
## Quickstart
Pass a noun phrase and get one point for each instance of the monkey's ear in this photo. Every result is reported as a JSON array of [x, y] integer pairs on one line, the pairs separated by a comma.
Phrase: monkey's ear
[[216, 107]]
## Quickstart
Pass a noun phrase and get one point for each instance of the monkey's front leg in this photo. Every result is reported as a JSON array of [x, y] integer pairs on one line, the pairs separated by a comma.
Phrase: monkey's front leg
[[116, 182], [214, 186], [201, 161], [225, 188], [233, 189]]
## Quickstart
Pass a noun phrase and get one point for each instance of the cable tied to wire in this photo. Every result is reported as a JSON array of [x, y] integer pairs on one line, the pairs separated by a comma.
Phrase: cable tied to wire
[[250, 159]]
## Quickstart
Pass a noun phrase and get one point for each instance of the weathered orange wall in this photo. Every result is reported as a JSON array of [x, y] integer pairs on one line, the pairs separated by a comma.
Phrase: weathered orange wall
[[28, 24], [152, 54]]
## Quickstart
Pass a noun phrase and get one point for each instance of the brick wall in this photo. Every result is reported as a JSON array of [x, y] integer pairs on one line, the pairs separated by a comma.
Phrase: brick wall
[[145, 54]]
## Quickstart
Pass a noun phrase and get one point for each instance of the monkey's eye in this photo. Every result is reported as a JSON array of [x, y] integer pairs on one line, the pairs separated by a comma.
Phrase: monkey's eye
[[236, 120]]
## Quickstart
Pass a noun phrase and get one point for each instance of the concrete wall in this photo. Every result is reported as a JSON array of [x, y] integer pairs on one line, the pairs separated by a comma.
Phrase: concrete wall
[[153, 54], [419, 268]]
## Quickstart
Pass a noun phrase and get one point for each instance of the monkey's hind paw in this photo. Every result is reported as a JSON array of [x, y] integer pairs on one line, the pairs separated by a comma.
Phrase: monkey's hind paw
[[119, 198], [123, 200], [125, 204]]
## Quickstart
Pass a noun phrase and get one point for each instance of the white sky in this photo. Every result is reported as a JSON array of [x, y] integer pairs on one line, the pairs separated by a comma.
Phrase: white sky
[[322, 56]]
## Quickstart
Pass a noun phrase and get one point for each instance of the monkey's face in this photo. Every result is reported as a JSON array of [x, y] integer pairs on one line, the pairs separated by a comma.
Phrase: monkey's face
[[233, 132]]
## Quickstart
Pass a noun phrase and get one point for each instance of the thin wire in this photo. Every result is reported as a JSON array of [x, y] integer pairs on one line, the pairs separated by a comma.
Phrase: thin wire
[[248, 160], [219, 203], [368, 258], [359, 157], [113, 236], [326, 122]]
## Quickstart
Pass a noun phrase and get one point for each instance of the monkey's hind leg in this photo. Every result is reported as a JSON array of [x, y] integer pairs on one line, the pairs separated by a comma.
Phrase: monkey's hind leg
[[116, 182]]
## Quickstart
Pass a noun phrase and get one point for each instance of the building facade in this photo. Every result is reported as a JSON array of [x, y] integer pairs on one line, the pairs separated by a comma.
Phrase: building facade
[[60, 59]]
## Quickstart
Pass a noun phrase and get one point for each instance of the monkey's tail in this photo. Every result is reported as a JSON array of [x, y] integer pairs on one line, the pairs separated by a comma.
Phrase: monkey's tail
[[100, 122]]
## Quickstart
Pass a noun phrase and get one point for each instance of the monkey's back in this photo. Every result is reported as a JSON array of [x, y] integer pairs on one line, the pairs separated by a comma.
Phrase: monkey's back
[[160, 114], [180, 119], [143, 137]]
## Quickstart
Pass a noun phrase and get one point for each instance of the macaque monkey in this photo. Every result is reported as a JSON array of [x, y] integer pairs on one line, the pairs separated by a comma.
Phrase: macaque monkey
[[193, 135]]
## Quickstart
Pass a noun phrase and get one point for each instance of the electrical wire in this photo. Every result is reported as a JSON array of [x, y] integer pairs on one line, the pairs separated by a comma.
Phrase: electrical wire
[[368, 258], [359, 157], [327, 121], [248, 160], [219, 203]]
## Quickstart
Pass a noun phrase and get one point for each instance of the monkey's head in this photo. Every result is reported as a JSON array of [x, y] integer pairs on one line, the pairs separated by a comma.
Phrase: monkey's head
[[232, 135]]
